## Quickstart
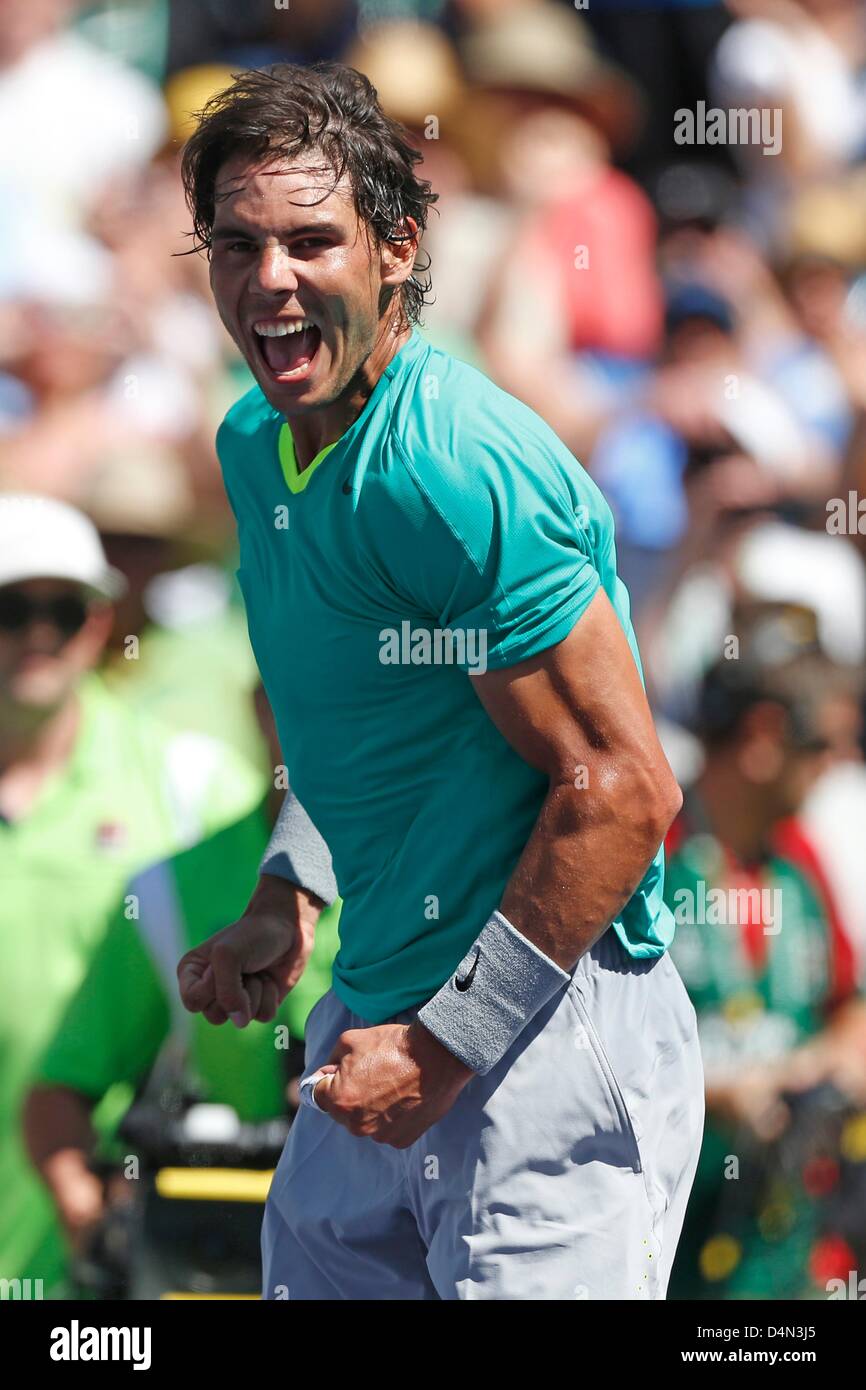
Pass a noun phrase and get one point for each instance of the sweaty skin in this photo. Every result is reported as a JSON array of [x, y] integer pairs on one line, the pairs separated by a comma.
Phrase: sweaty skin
[[580, 704], [287, 244]]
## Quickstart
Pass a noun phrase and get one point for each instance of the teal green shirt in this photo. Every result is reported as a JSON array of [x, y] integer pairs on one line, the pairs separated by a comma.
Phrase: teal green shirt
[[446, 507]]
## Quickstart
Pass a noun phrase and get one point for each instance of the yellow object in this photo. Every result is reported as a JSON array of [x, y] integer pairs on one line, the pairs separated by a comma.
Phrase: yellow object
[[720, 1257], [187, 92], [185, 1297], [853, 1141], [776, 1220], [214, 1184], [289, 464], [742, 1006]]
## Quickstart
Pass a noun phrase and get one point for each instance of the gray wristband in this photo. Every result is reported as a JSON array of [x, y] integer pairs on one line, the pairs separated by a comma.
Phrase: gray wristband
[[500, 984], [296, 851]]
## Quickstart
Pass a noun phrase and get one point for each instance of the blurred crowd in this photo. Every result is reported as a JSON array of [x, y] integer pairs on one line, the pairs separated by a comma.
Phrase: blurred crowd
[[689, 316]]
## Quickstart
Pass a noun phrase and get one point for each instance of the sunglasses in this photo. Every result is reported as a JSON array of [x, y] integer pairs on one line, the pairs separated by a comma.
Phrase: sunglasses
[[68, 612]]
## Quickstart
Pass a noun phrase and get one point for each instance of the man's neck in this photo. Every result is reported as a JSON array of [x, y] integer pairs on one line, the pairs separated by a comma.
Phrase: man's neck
[[33, 745], [314, 432]]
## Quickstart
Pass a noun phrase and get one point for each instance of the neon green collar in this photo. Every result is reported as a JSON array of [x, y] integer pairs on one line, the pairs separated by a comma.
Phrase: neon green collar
[[298, 481]]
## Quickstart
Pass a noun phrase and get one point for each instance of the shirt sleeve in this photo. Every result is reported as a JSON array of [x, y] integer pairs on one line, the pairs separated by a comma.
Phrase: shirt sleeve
[[500, 555]]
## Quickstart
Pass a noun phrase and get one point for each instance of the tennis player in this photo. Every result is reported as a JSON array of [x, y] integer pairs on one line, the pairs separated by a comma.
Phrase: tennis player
[[506, 1087]]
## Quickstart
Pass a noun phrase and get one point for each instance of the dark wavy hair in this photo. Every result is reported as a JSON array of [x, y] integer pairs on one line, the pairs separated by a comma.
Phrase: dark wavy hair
[[284, 109]]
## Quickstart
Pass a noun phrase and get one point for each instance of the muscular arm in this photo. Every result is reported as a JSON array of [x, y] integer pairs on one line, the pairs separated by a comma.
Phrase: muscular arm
[[579, 714]]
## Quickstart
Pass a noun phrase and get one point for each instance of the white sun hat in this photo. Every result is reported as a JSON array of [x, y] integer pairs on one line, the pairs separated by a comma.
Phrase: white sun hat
[[786, 564], [41, 538]]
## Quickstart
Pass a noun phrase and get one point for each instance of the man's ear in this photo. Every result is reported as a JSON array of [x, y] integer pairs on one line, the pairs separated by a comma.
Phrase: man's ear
[[398, 256]]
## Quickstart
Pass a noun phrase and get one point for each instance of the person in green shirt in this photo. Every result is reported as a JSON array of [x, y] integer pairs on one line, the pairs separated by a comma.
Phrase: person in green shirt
[[127, 1007], [90, 792], [766, 960]]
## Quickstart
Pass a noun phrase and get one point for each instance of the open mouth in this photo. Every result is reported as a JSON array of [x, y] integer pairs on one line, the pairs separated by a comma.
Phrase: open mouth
[[288, 347]]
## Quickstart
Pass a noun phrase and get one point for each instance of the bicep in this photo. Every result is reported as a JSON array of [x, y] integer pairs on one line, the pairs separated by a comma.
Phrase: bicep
[[578, 703]]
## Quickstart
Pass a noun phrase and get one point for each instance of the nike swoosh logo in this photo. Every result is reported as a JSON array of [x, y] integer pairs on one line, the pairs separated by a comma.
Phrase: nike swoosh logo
[[467, 979]]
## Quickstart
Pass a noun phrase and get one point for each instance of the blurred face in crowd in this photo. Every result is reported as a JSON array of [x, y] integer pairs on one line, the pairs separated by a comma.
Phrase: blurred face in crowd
[[780, 771], [64, 351], [546, 150], [298, 280], [775, 773], [51, 633], [24, 23], [817, 291], [699, 340], [839, 722]]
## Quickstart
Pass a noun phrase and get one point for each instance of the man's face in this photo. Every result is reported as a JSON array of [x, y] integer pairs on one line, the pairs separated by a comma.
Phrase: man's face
[[50, 635], [289, 253]]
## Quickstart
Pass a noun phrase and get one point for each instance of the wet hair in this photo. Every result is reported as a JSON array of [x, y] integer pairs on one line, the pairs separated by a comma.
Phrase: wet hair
[[284, 110]]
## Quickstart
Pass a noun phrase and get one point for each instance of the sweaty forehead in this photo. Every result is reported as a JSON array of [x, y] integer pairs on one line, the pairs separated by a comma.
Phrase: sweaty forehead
[[258, 187]]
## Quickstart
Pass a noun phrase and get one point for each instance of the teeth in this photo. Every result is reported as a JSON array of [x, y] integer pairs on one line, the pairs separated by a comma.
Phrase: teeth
[[282, 327]]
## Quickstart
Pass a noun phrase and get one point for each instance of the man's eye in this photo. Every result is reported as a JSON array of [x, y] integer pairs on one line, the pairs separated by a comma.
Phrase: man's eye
[[239, 246]]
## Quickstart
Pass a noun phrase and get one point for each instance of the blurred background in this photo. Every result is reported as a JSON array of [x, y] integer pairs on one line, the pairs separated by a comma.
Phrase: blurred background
[[687, 309]]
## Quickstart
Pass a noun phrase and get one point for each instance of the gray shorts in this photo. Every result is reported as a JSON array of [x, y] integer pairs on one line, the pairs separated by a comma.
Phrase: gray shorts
[[562, 1174]]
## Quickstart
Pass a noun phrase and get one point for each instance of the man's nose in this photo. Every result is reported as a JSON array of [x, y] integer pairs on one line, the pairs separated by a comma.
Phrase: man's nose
[[43, 636], [275, 271]]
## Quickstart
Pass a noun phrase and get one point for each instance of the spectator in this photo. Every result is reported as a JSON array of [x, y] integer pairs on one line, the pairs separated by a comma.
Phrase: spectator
[[127, 1008], [179, 647], [730, 557], [89, 792], [706, 439], [575, 306], [71, 117], [768, 964]]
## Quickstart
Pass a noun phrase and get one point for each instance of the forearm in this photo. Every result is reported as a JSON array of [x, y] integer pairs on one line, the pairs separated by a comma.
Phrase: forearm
[[847, 1024], [578, 713], [585, 857], [281, 898], [588, 851], [60, 1139], [836, 1055]]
